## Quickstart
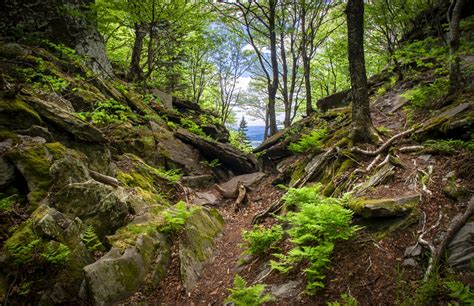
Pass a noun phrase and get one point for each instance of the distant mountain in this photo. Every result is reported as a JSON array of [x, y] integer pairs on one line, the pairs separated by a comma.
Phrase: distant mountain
[[255, 134]]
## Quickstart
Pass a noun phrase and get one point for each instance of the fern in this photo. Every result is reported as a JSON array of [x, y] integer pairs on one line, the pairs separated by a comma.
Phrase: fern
[[316, 225], [176, 217], [91, 240], [241, 295], [260, 240], [56, 253], [311, 142], [460, 292]]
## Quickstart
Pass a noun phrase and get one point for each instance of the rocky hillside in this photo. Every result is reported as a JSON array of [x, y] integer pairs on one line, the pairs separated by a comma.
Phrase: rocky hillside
[[91, 171]]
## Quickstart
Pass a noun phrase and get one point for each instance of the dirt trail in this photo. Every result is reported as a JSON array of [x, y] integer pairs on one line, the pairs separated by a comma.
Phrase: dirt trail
[[218, 273]]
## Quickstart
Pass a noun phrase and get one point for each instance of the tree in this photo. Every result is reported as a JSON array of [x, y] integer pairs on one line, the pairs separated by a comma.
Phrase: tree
[[454, 16], [259, 22], [242, 131], [361, 120]]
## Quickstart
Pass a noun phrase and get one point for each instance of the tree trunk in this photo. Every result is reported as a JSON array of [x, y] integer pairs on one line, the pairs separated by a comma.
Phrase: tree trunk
[[361, 121], [454, 16], [136, 72], [273, 86], [307, 84]]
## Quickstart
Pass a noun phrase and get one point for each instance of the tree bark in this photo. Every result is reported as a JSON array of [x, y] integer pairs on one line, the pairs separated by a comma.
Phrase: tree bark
[[361, 120], [454, 16], [136, 72], [273, 86]]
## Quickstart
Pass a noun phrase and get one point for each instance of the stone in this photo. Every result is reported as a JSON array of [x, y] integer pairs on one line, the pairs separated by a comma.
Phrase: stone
[[388, 207], [205, 198], [95, 203], [455, 191], [12, 50], [381, 176], [37, 131], [198, 181], [230, 188], [410, 262], [399, 101], [65, 120], [461, 248], [7, 172], [286, 290], [196, 245], [117, 275], [16, 114], [413, 250], [336, 100], [165, 98]]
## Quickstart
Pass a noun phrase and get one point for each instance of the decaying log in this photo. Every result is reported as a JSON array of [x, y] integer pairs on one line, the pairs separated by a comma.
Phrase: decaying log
[[383, 147], [105, 179]]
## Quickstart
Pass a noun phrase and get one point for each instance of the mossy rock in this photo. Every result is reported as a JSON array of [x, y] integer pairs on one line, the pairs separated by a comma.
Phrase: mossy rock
[[389, 207], [201, 228], [16, 114]]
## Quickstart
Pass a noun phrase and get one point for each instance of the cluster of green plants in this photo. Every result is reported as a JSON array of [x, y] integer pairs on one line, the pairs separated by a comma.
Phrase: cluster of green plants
[[315, 226], [41, 78], [448, 146], [312, 142], [6, 204], [192, 126], [345, 300], [418, 51], [423, 96], [34, 250], [108, 112], [91, 240], [460, 292], [244, 295], [211, 164], [260, 240], [240, 142], [175, 217], [65, 52], [56, 253], [172, 175]]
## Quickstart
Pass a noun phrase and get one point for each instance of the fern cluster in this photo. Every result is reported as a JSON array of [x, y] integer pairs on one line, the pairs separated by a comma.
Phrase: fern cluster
[[241, 295], [312, 142], [423, 96], [175, 218], [260, 240], [448, 146], [315, 226], [460, 292], [192, 126], [56, 253], [108, 112], [91, 240]]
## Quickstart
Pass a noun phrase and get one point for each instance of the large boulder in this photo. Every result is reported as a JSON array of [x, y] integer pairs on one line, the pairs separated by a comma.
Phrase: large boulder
[[461, 248], [118, 274], [230, 189], [7, 172], [389, 207], [96, 204], [196, 245]]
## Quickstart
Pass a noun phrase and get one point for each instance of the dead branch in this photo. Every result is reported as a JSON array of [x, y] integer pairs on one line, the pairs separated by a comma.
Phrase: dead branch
[[429, 245], [383, 147], [274, 208], [242, 197], [105, 179], [410, 149]]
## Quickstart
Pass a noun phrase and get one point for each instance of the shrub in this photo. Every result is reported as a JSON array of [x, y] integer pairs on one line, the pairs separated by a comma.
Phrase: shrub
[[91, 240], [309, 142], [260, 240], [192, 126], [314, 228], [460, 292], [108, 112], [241, 295]]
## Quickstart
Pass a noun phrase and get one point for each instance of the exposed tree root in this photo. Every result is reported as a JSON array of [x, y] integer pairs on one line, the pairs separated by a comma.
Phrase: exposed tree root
[[105, 179], [410, 149], [242, 197], [383, 147]]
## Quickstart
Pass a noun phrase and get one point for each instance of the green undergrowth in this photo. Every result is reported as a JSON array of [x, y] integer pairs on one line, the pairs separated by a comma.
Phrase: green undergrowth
[[448, 146], [261, 240], [423, 96], [243, 295], [175, 217], [107, 112], [91, 240], [311, 142], [192, 126], [315, 223]]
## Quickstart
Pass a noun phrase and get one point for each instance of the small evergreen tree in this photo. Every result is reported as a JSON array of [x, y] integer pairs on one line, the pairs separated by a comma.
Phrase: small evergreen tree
[[242, 133]]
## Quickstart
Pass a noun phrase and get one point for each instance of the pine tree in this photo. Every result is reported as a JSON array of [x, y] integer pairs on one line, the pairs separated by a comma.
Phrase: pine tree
[[242, 131]]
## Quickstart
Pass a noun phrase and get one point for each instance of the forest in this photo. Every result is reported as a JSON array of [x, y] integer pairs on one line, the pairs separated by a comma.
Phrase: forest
[[236, 152]]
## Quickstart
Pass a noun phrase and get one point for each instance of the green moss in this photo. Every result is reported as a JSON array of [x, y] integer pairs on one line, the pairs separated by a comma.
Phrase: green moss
[[330, 186], [17, 113], [297, 173], [5, 134]]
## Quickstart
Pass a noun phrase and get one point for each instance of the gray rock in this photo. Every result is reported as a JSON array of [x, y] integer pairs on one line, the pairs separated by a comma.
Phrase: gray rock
[[399, 101], [37, 131], [413, 250], [230, 188], [11, 50], [95, 203], [381, 176], [7, 172], [196, 246], [410, 262], [118, 275], [391, 207], [205, 198], [461, 248], [286, 290], [198, 181]]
